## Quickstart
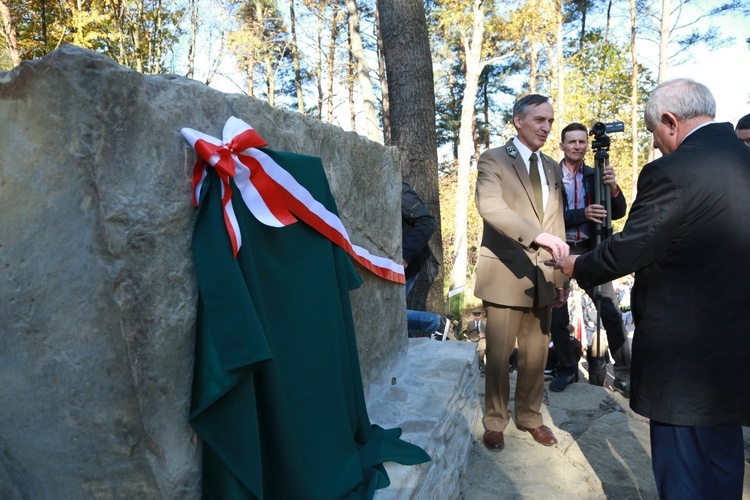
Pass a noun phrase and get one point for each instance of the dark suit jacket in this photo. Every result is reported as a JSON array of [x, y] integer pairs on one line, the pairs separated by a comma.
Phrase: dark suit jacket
[[472, 332], [688, 240], [577, 216], [511, 270]]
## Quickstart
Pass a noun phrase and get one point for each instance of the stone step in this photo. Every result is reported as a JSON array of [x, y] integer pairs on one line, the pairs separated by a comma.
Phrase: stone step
[[433, 401]]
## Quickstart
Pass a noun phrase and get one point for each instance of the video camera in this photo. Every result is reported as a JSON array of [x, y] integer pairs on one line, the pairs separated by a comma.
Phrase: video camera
[[600, 130]]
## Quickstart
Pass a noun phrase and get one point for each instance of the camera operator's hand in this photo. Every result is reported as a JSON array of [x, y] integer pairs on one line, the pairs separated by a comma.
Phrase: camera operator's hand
[[595, 213], [554, 245], [608, 177]]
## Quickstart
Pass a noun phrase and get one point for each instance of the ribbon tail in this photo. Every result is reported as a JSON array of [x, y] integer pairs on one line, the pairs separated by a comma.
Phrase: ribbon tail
[[199, 176], [230, 218]]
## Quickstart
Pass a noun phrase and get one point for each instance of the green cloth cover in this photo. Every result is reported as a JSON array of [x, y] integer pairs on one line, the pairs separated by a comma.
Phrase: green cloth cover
[[277, 390]]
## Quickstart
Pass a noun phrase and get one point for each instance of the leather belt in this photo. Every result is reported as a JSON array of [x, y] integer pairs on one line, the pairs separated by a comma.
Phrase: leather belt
[[579, 244]]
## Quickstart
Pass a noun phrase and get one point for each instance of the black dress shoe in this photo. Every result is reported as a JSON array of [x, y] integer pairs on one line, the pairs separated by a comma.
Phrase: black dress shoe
[[494, 440], [560, 382], [622, 387]]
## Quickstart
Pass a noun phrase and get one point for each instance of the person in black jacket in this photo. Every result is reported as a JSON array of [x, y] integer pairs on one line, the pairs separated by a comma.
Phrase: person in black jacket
[[417, 226], [686, 239], [581, 215], [743, 129]]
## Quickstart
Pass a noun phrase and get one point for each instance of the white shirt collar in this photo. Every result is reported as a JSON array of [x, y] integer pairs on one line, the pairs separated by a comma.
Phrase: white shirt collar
[[696, 128], [524, 151]]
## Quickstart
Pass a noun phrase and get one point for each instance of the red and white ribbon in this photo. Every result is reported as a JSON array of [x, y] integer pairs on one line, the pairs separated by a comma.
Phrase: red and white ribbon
[[271, 194]]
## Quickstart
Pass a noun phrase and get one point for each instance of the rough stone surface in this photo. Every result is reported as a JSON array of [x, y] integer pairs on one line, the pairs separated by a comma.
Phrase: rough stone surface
[[434, 404], [603, 450], [97, 293]]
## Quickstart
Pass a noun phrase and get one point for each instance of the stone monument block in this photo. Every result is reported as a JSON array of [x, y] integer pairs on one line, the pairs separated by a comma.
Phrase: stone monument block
[[97, 292]]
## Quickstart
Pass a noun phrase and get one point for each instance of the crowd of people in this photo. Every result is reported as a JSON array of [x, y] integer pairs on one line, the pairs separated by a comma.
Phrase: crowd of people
[[543, 227]]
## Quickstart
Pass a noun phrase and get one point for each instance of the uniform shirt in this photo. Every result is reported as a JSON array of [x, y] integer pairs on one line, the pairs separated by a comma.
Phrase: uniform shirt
[[526, 155], [576, 199]]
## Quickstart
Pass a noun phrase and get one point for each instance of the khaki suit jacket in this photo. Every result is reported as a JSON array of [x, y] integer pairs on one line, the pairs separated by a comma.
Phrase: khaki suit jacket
[[511, 270]]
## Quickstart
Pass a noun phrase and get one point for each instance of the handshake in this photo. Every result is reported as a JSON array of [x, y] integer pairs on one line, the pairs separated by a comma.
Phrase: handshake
[[566, 265], [560, 251]]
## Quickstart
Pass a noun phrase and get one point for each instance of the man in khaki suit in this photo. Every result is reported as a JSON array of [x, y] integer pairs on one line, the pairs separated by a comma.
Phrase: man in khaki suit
[[518, 196]]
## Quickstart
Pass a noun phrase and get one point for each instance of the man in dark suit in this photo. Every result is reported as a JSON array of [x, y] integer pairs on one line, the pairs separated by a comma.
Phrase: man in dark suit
[[686, 239], [518, 197], [581, 217], [476, 327], [476, 332]]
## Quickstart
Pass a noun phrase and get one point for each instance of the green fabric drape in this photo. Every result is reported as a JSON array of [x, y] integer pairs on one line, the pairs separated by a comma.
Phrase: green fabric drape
[[277, 390]]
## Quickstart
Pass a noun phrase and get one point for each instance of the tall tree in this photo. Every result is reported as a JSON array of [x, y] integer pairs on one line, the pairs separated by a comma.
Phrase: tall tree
[[411, 87], [634, 115], [385, 101], [295, 59], [193, 6], [370, 114], [664, 39], [9, 34], [467, 27]]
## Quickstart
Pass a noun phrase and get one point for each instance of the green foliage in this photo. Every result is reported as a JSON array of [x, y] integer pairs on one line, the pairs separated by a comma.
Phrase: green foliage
[[447, 187], [135, 33]]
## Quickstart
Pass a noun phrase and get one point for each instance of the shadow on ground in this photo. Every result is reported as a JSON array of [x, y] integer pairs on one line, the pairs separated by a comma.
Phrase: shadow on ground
[[603, 452]]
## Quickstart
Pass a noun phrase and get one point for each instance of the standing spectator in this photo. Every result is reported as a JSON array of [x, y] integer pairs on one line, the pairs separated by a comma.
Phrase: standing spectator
[[743, 129], [581, 215], [417, 226], [476, 332], [518, 197], [691, 347]]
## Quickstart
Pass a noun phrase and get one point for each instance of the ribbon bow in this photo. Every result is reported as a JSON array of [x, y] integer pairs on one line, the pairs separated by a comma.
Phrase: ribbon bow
[[271, 194]]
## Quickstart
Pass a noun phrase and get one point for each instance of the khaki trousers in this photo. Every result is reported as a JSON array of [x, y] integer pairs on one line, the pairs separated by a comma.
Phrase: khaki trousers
[[530, 328]]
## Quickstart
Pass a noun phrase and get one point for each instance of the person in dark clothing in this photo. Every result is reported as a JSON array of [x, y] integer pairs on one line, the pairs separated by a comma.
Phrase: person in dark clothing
[[686, 238], [581, 215], [743, 129], [417, 226]]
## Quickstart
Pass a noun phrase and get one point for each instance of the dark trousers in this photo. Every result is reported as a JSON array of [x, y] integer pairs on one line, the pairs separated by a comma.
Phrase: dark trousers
[[617, 335], [698, 462], [567, 364]]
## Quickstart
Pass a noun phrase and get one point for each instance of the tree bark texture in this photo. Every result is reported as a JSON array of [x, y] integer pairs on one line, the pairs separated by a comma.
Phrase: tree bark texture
[[9, 33], [370, 114], [411, 93]]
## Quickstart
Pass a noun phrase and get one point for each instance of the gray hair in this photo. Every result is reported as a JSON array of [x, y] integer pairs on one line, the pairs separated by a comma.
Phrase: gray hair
[[521, 107], [684, 97]]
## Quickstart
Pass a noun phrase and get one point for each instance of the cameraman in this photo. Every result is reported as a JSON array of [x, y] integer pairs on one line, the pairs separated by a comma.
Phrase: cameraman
[[581, 216]]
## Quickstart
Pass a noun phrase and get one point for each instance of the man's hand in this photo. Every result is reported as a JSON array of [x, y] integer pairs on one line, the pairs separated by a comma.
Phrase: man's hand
[[561, 297], [595, 213], [554, 245], [567, 264], [608, 177]]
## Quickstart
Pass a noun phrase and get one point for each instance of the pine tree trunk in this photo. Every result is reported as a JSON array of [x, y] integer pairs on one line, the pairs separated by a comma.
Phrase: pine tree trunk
[[413, 130]]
